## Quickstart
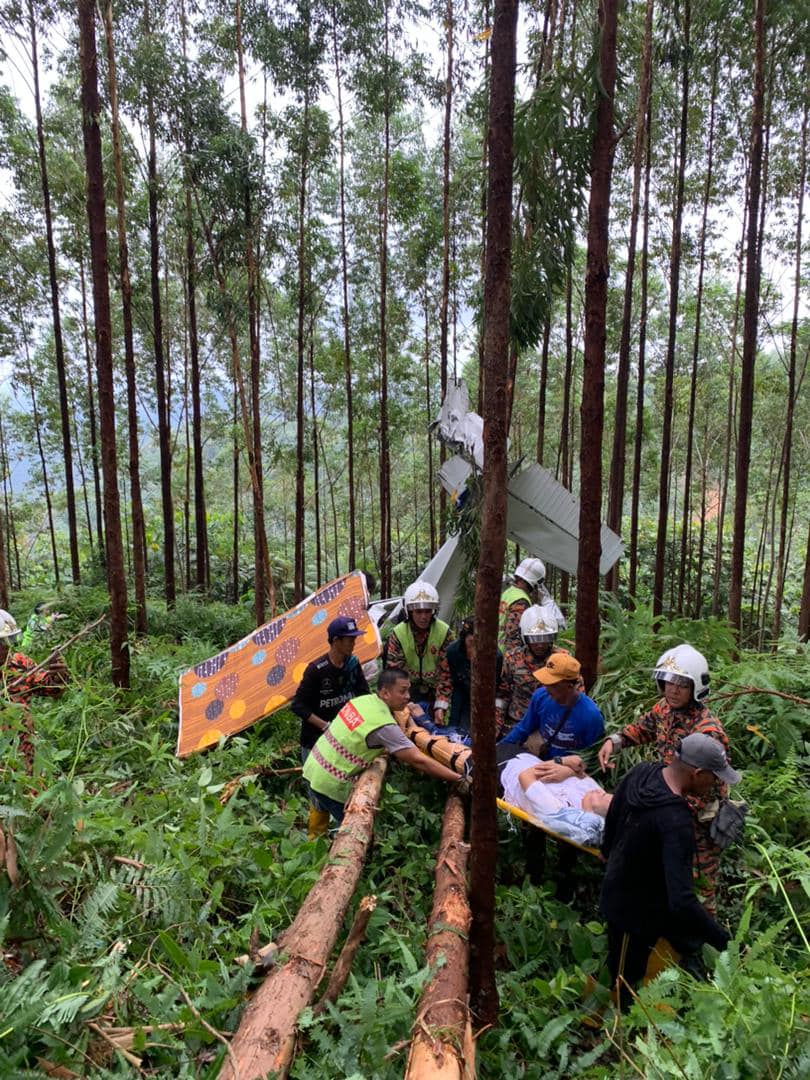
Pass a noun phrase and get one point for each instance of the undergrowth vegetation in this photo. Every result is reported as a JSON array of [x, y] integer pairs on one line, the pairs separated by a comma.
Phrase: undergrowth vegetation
[[137, 887]]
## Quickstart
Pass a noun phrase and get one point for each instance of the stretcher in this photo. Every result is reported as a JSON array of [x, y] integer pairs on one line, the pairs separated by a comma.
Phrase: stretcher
[[455, 757]]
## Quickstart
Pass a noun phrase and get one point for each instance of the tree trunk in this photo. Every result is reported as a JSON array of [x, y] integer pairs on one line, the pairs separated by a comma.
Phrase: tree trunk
[[316, 477], [261, 566], [685, 570], [136, 500], [616, 491], [592, 410], [235, 566], [445, 298], [750, 317], [730, 414], [674, 288], [97, 224], [638, 437], [563, 449], [4, 582], [300, 517], [43, 465], [91, 410], [804, 607], [265, 1039], [83, 479], [163, 418], [344, 267], [542, 392], [497, 300], [442, 1039], [59, 349], [8, 495], [787, 445], [429, 417], [385, 456]]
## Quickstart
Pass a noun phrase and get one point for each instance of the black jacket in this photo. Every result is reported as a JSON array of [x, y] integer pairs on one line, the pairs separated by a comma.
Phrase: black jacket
[[324, 690], [649, 843]]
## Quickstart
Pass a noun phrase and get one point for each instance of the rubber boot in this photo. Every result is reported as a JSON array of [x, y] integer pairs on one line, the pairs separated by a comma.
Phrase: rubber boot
[[317, 823]]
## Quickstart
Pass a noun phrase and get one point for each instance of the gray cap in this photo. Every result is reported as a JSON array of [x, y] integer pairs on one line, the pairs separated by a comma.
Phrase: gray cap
[[703, 752]]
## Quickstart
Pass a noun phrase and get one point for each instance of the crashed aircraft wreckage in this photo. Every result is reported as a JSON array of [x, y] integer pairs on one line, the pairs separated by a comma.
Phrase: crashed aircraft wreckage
[[259, 674]]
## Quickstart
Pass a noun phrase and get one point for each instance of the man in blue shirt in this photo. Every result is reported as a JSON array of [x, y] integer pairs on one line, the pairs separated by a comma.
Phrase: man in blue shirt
[[567, 720]]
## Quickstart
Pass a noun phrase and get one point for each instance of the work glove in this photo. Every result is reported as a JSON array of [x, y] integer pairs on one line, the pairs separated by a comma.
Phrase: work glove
[[464, 786], [728, 823]]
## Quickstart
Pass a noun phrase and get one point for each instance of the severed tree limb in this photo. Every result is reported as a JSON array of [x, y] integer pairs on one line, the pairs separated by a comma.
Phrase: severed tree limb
[[759, 690], [265, 1039], [258, 770], [442, 1046], [343, 964]]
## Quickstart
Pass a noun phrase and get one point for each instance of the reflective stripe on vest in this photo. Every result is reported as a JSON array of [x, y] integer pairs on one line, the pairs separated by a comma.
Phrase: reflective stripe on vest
[[422, 668], [341, 751], [509, 597]]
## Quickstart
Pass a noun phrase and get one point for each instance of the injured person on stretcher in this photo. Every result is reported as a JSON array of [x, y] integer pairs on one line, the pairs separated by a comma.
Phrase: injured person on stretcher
[[574, 807]]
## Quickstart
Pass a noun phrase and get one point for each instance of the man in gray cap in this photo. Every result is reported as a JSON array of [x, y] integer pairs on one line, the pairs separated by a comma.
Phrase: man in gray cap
[[649, 844]]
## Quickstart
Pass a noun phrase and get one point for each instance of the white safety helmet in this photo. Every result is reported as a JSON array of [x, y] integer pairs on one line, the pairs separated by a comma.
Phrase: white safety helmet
[[531, 571], [9, 630], [421, 596], [538, 624], [684, 665]]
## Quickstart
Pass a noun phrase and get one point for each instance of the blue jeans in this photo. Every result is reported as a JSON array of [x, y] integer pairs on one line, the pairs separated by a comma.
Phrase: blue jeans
[[328, 806]]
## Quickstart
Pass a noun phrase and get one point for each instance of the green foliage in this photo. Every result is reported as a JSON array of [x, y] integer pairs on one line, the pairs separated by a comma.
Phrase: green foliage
[[137, 886]]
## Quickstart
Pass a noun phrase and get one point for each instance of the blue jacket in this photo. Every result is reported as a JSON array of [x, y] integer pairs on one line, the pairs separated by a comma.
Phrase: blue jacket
[[583, 726]]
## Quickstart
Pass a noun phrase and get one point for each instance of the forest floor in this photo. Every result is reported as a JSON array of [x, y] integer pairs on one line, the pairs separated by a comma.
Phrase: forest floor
[[136, 887]]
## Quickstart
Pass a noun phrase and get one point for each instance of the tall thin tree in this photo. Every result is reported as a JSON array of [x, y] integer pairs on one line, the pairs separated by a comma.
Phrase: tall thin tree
[[592, 409], [668, 405], [497, 298], [742, 460], [59, 347], [617, 461], [96, 219]]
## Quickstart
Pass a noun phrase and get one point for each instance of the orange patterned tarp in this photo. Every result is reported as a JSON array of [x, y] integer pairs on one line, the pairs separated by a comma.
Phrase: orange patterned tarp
[[261, 673]]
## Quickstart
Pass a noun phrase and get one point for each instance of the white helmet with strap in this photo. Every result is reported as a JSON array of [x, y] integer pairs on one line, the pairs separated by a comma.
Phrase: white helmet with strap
[[684, 665], [531, 570], [421, 596], [538, 624], [8, 626]]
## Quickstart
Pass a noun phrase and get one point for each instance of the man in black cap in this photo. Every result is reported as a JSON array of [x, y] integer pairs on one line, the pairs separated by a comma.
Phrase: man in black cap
[[649, 843], [327, 684]]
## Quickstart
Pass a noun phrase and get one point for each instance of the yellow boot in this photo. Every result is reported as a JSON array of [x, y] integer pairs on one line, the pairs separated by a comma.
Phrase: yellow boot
[[317, 823]]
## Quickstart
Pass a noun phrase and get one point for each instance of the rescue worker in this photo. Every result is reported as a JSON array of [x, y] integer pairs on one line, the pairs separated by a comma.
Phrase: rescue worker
[[327, 684], [527, 588], [538, 630], [39, 625], [362, 730], [23, 678], [649, 843], [418, 644], [453, 698], [682, 675]]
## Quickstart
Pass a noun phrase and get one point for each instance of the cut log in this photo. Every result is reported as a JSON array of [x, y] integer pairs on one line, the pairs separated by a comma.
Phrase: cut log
[[265, 1040], [442, 1046], [343, 964]]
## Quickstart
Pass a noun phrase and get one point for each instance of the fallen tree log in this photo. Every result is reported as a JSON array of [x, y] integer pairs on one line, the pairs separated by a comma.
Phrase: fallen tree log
[[442, 1046], [265, 1039]]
